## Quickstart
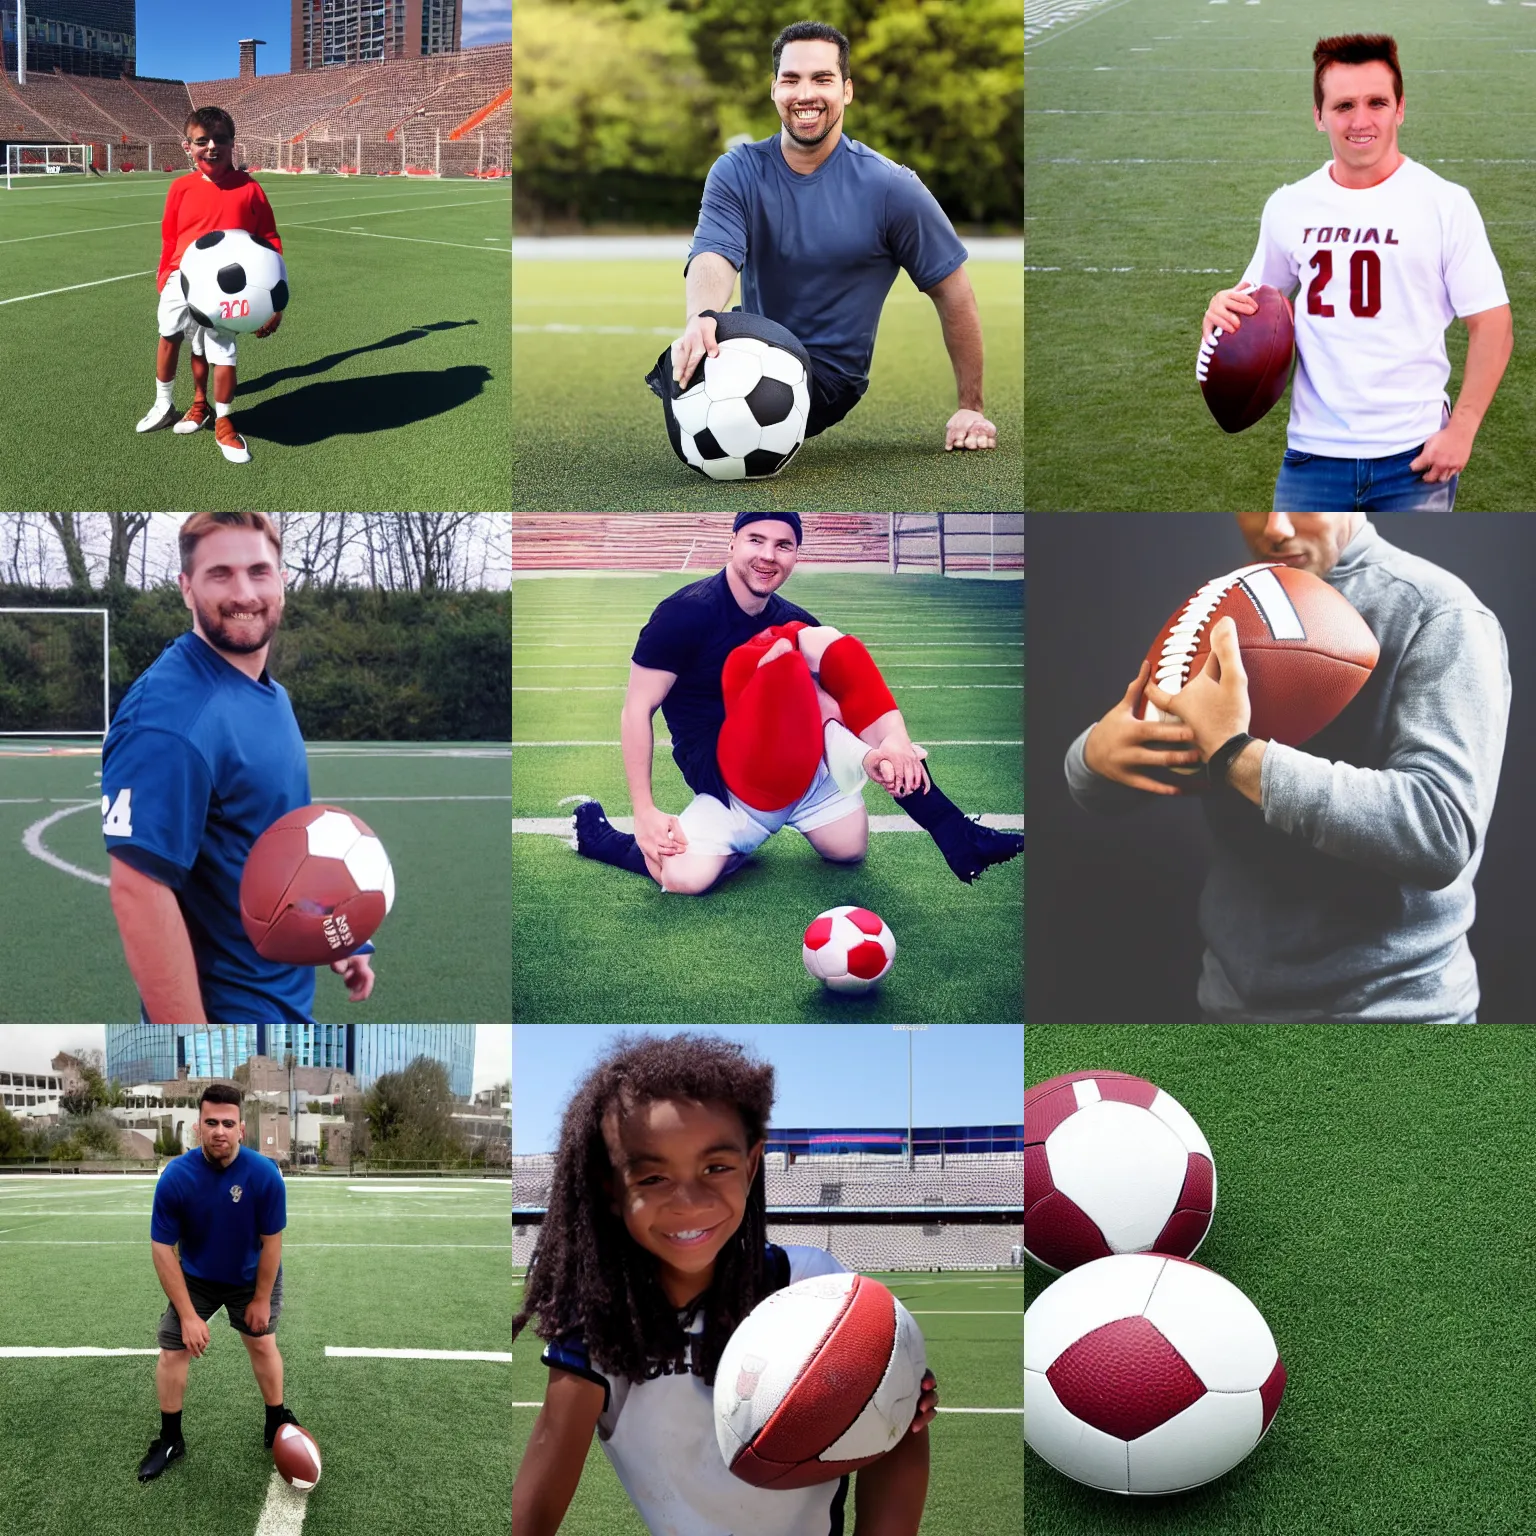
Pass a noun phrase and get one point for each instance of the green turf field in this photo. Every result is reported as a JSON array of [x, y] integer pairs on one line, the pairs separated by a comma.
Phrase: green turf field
[[385, 388], [439, 810], [1155, 131], [1375, 1202], [410, 1446], [594, 944], [971, 1324], [589, 434]]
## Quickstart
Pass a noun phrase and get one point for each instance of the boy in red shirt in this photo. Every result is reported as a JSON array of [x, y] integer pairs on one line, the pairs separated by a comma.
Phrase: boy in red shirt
[[214, 196]]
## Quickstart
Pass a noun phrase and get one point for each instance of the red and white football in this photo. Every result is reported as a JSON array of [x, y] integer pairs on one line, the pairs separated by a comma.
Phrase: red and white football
[[1112, 1164], [297, 1457], [1242, 373], [1306, 650]]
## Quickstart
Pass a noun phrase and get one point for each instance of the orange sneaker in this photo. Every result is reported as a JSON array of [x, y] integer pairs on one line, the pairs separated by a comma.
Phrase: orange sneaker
[[199, 414], [231, 444]]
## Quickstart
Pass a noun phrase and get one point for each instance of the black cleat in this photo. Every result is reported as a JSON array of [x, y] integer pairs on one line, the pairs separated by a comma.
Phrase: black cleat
[[285, 1416], [159, 1456], [969, 847], [591, 827]]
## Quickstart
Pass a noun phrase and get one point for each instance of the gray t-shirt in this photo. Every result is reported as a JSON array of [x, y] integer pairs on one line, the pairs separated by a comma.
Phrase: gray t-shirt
[[1347, 894]]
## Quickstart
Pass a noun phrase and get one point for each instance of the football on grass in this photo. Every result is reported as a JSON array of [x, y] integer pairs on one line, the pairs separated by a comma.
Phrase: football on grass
[[1146, 1374], [848, 949], [1242, 373], [316, 886], [820, 1379], [297, 1457], [232, 281], [1112, 1164], [743, 415]]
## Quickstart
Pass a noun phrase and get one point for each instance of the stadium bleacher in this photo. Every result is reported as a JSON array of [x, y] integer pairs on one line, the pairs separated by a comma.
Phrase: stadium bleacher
[[667, 541]]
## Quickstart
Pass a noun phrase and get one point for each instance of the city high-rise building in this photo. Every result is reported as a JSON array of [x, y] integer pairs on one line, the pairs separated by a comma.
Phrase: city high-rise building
[[79, 37], [157, 1053], [331, 32]]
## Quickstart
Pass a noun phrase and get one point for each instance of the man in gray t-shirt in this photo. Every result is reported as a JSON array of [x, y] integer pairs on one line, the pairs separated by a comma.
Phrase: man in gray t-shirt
[[1340, 885]]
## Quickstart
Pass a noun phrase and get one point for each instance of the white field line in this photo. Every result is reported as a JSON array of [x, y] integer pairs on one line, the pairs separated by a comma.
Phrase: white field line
[[48, 293], [28, 1352], [283, 1513], [340, 1352], [368, 234], [94, 230], [1040, 20], [560, 826]]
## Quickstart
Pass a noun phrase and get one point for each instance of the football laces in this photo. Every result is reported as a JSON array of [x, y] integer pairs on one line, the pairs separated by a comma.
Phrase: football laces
[[1207, 352]]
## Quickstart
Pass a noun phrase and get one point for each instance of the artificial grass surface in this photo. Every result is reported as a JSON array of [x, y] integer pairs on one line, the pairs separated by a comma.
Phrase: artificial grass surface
[[384, 389], [971, 1326], [409, 1446], [1155, 132], [441, 953], [589, 434], [1375, 1202], [595, 944]]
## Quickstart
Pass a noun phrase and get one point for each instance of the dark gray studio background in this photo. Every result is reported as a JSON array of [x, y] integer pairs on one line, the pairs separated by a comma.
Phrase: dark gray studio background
[[1110, 902]]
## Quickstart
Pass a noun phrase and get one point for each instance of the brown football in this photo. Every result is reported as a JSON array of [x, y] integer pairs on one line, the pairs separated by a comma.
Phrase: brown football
[[297, 1457], [1242, 373]]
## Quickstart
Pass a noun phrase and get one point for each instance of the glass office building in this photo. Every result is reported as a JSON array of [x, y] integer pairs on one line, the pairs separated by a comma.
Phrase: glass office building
[[155, 1053]]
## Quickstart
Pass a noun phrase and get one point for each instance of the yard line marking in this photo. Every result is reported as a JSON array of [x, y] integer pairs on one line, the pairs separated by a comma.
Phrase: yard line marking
[[94, 230], [28, 1352], [1045, 17], [48, 293], [369, 234], [380, 213], [283, 1513], [340, 1352], [560, 826]]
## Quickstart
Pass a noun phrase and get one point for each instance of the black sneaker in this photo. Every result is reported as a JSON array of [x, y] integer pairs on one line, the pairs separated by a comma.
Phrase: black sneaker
[[969, 847], [160, 1455], [285, 1417]]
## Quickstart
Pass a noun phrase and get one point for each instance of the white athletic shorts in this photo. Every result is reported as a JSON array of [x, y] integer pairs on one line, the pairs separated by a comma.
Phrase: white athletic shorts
[[176, 319], [713, 827]]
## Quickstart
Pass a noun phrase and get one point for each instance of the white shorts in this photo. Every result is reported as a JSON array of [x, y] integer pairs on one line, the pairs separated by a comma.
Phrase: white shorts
[[175, 319], [713, 827]]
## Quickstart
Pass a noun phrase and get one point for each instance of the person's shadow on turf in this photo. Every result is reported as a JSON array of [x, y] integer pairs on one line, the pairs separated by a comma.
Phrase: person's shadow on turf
[[331, 359], [338, 407]]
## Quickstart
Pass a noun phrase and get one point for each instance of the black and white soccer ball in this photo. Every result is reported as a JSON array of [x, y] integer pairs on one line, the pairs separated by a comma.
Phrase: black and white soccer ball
[[744, 415], [233, 282]]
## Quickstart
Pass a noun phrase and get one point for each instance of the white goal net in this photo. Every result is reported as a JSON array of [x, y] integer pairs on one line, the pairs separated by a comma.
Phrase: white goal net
[[27, 164]]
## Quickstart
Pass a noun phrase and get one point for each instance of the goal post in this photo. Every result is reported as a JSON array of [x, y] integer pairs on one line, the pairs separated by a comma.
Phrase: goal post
[[28, 164], [62, 694]]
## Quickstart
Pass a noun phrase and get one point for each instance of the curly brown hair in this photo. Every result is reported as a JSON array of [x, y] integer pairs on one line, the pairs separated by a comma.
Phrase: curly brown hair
[[587, 1272]]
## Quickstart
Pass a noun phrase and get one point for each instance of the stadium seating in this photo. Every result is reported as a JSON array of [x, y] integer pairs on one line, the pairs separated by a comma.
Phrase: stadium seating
[[668, 541]]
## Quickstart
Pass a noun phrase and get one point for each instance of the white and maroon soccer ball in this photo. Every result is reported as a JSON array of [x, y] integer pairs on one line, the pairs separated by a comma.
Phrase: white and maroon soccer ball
[[1112, 1164], [296, 1456], [849, 949], [820, 1379], [1147, 1374]]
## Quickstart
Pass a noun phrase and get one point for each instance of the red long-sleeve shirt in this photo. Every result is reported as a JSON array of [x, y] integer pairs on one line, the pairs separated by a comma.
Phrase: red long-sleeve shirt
[[196, 205]]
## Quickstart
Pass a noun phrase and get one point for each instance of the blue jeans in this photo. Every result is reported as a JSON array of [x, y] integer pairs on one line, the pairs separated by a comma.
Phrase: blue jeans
[[1313, 482]]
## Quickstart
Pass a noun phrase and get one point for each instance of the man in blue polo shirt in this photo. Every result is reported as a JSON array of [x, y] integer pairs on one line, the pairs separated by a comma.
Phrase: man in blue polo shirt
[[818, 226], [225, 1208], [203, 755]]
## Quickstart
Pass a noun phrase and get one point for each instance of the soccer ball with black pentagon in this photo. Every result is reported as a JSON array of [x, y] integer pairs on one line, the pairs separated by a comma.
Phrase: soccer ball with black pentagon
[[232, 281], [744, 415]]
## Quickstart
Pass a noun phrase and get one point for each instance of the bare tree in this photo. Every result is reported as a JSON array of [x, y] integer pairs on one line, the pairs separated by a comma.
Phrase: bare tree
[[316, 546], [67, 526], [422, 551], [127, 527]]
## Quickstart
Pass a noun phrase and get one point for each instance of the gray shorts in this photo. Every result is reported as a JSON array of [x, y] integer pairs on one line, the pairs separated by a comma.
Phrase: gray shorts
[[208, 1296]]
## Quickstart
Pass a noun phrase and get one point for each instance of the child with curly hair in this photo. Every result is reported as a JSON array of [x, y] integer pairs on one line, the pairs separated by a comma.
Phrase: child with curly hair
[[653, 1250]]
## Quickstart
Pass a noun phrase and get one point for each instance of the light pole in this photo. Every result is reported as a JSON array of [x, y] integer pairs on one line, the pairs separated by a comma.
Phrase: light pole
[[909, 1030]]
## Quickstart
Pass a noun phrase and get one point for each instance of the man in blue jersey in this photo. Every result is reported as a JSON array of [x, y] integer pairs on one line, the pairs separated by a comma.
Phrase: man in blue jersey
[[818, 226], [216, 1234], [203, 755]]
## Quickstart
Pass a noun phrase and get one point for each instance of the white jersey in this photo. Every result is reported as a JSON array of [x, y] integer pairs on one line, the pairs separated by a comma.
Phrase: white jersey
[[660, 1437], [1381, 272]]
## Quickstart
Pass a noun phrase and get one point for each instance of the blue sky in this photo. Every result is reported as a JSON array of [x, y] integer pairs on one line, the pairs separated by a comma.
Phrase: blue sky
[[178, 42], [828, 1074]]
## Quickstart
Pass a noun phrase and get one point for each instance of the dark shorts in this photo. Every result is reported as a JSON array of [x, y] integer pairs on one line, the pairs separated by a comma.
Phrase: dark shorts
[[208, 1296], [830, 402]]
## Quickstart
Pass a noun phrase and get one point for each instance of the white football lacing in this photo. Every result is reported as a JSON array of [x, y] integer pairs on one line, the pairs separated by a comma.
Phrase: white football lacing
[[1206, 353], [1172, 670]]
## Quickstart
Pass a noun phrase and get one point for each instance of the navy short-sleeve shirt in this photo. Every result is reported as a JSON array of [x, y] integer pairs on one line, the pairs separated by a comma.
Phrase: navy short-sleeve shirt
[[691, 633], [219, 1215]]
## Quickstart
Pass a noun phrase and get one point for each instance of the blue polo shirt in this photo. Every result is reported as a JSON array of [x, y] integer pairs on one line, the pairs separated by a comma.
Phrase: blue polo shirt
[[200, 760], [819, 253], [219, 1215]]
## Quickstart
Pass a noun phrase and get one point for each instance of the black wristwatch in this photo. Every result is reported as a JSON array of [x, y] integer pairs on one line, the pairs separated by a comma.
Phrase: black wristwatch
[[1220, 763]]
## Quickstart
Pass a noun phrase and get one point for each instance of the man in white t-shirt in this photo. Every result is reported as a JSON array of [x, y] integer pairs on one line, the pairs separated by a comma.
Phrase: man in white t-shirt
[[1381, 254]]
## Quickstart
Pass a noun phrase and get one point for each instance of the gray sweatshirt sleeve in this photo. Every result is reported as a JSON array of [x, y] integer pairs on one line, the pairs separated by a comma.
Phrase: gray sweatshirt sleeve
[[1092, 791], [1421, 817]]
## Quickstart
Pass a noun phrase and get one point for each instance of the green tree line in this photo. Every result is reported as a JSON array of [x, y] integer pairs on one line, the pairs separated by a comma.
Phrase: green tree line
[[358, 664], [613, 94]]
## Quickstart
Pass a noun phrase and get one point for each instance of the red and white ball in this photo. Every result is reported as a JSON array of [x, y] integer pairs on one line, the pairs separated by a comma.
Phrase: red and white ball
[[1112, 1164], [316, 885], [1147, 1374], [848, 949], [820, 1379], [296, 1456]]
